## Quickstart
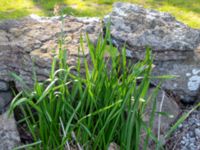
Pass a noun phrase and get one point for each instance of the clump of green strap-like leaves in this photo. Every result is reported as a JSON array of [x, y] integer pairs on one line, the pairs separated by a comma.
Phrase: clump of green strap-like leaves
[[90, 108]]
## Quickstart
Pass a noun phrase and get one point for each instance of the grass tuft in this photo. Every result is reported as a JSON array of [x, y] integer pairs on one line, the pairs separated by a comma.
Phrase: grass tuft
[[94, 108]]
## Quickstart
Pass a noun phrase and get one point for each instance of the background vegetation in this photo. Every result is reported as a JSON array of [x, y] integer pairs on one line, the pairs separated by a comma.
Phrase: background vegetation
[[187, 11]]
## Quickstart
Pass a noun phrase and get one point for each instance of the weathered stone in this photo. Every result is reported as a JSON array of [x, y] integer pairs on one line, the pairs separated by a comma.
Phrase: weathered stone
[[29, 44], [164, 103], [175, 46], [186, 84], [9, 135], [139, 28], [3, 86], [5, 99], [162, 122]]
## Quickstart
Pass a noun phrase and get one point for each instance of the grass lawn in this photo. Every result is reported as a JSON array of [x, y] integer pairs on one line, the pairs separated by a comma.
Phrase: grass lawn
[[187, 11]]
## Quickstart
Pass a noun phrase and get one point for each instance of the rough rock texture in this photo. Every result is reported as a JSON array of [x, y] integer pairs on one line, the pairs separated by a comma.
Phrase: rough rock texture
[[3, 86], [5, 99], [165, 103], [186, 85], [162, 123], [139, 27], [33, 41], [9, 137], [174, 45]]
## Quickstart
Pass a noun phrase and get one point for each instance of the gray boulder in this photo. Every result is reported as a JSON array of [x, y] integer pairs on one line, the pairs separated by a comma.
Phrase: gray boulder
[[185, 87], [175, 46], [5, 99], [9, 135], [3, 86], [164, 103], [28, 45], [162, 123]]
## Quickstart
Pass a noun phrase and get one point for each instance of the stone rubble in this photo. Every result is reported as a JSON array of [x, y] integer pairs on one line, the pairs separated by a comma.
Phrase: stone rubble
[[187, 136]]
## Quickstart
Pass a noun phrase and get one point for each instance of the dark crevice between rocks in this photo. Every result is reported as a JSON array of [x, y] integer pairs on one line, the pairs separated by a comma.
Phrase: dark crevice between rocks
[[22, 127], [25, 136], [176, 98], [6, 96]]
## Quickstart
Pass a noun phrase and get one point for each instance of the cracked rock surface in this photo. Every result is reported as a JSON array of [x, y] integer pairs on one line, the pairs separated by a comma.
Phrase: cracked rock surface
[[30, 43]]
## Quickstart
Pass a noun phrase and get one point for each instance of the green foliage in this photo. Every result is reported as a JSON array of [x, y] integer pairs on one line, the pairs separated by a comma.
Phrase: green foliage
[[187, 11], [93, 108], [105, 103]]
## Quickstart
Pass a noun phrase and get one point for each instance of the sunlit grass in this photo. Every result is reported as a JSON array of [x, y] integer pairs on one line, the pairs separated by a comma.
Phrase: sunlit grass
[[185, 11], [12, 9], [188, 17]]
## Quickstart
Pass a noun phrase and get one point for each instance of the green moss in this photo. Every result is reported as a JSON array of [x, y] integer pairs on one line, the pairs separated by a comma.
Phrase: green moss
[[185, 11]]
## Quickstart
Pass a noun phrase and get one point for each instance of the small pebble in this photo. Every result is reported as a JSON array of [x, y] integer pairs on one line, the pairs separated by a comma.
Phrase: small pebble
[[197, 132], [188, 134]]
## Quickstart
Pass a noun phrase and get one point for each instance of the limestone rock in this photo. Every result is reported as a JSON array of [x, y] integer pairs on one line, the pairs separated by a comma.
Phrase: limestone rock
[[29, 44], [175, 46], [9, 136]]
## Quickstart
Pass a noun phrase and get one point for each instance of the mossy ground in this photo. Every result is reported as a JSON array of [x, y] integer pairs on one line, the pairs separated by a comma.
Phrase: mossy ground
[[187, 11]]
